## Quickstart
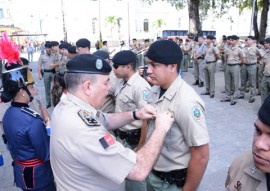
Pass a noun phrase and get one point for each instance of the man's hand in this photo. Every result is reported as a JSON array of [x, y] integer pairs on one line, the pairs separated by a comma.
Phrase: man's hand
[[165, 118], [40, 76], [147, 112]]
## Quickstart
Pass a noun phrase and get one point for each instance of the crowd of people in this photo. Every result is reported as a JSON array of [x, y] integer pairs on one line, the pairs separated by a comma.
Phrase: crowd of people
[[117, 126]]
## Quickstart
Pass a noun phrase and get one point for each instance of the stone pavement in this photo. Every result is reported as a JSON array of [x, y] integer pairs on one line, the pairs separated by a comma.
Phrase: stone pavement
[[230, 129]]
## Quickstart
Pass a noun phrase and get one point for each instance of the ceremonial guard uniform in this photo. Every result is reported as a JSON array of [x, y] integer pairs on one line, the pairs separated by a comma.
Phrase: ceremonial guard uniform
[[26, 133], [265, 85]]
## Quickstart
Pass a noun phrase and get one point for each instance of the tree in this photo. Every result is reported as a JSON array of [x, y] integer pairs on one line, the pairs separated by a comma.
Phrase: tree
[[113, 21], [158, 24]]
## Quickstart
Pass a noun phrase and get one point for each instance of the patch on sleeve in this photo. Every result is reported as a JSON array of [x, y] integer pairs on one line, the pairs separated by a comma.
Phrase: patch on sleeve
[[107, 141], [88, 118], [145, 95], [196, 113]]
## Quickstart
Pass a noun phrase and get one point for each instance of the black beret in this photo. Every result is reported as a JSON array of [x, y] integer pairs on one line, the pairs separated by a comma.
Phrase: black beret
[[210, 37], [54, 43], [48, 44], [229, 37], [88, 64], [264, 112], [83, 43], [64, 45], [261, 42], [124, 57], [251, 37], [267, 40], [103, 54], [234, 37], [165, 52], [196, 39], [72, 49]]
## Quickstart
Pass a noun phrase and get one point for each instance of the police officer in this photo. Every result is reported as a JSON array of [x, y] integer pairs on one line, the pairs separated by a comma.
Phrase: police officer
[[199, 62], [187, 48], [211, 56], [250, 171], [235, 57], [46, 70], [63, 50], [26, 133], [262, 51], [265, 85], [250, 74], [84, 156], [83, 46], [185, 154], [131, 93]]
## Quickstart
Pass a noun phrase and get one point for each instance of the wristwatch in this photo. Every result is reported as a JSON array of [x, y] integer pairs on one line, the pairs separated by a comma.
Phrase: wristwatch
[[134, 114]]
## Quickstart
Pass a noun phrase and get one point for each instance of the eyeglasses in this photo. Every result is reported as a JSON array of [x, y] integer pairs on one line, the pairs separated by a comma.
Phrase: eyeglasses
[[115, 66]]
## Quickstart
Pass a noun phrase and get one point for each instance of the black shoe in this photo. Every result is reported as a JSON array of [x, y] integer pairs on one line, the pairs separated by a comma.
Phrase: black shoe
[[223, 91], [196, 83], [212, 95], [247, 90], [205, 93], [240, 97], [201, 85], [48, 106], [251, 100], [233, 102], [225, 100], [259, 93]]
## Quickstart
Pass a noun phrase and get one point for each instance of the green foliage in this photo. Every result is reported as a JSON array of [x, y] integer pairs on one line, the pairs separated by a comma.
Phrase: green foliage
[[158, 23]]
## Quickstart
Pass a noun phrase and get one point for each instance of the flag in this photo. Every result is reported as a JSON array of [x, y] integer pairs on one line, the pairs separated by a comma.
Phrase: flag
[[100, 40]]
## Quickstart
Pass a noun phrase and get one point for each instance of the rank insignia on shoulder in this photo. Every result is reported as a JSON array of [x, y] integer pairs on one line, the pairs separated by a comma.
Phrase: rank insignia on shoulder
[[196, 113], [107, 141], [29, 111], [88, 118]]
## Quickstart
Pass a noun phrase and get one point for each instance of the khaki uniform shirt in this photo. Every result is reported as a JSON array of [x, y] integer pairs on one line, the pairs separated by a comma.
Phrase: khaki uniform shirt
[[252, 52], [199, 50], [109, 105], [210, 53], [78, 159], [133, 95], [105, 48], [266, 63], [46, 60], [189, 128], [187, 48], [244, 175], [62, 64], [262, 54], [234, 55]]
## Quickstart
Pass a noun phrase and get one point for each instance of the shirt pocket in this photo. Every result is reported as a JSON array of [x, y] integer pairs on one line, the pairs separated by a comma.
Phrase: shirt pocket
[[127, 104]]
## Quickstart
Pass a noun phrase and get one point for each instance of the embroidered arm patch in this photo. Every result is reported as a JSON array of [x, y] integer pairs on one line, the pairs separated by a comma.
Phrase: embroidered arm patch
[[88, 118]]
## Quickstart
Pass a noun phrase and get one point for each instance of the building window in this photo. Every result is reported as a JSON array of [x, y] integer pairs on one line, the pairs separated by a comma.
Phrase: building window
[[145, 25], [179, 23], [1, 14], [94, 25]]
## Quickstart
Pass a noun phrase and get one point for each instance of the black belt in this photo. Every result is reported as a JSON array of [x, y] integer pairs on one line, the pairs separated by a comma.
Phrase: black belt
[[132, 137], [233, 64], [251, 64], [177, 177], [210, 62], [185, 53], [51, 70]]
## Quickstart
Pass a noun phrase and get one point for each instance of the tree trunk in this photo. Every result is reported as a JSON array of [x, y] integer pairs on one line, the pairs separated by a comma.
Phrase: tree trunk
[[255, 23], [263, 24], [195, 27]]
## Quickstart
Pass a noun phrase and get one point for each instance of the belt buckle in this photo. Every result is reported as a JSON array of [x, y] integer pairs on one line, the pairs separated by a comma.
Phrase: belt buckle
[[165, 183]]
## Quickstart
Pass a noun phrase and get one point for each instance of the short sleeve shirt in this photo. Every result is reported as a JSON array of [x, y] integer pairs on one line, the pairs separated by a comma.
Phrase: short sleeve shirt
[[46, 60], [234, 55], [79, 160], [130, 96], [189, 128], [252, 52], [210, 53]]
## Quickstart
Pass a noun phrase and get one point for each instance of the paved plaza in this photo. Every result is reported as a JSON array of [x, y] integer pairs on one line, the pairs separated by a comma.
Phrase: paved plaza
[[230, 129]]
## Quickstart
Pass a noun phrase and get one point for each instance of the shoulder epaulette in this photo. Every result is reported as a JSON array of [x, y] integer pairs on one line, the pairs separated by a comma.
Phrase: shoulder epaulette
[[88, 118], [30, 111]]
